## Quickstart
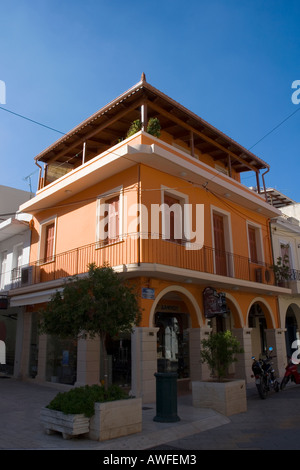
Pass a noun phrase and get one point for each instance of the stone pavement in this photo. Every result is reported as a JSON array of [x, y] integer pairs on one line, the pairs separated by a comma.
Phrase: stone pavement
[[273, 423]]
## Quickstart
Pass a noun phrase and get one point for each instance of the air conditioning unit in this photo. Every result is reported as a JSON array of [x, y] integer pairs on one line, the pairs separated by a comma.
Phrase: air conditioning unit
[[27, 276]]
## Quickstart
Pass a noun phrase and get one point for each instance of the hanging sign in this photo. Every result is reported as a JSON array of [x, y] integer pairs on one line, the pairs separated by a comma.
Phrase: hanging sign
[[214, 302]]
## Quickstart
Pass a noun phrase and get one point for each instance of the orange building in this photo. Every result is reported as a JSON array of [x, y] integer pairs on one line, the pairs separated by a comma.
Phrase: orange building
[[166, 208]]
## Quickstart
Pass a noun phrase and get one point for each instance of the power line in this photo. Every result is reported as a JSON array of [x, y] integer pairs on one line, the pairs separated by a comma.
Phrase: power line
[[274, 128], [32, 120]]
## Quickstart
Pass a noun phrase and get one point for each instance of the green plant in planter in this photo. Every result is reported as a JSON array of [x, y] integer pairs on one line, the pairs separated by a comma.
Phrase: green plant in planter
[[153, 127], [81, 400], [282, 269], [134, 128], [219, 352]]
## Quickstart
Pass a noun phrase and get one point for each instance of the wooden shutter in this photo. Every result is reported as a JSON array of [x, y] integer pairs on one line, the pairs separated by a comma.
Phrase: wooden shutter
[[112, 228], [252, 244], [169, 200], [49, 241], [219, 238]]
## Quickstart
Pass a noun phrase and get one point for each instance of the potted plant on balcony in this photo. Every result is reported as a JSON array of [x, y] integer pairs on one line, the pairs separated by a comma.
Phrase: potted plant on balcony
[[153, 127], [282, 270], [219, 351], [98, 304]]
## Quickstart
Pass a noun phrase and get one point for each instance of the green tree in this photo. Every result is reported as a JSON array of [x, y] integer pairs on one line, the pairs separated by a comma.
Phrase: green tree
[[99, 304], [219, 352]]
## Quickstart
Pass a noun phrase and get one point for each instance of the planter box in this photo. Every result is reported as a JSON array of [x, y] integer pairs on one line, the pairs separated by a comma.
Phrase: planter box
[[68, 425], [227, 398], [111, 419], [115, 419]]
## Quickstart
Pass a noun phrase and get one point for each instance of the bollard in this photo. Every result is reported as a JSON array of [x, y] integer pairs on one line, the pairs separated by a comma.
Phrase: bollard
[[166, 397]]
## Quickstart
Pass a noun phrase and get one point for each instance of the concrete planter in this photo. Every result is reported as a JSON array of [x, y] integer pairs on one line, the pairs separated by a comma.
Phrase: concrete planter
[[69, 425], [227, 398], [115, 419], [111, 419]]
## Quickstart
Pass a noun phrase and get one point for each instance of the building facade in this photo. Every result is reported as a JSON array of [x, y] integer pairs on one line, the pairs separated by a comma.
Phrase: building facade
[[164, 206], [286, 245], [15, 239]]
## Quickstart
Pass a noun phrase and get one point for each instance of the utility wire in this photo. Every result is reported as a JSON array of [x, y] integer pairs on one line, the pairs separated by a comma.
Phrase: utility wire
[[32, 120], [274, 128]]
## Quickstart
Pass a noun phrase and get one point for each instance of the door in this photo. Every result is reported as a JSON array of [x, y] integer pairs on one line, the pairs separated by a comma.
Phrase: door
[[219, 238]]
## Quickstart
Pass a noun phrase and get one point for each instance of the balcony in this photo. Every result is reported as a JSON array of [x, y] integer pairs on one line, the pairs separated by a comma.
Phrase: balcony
[[293, 281], [136, 256]]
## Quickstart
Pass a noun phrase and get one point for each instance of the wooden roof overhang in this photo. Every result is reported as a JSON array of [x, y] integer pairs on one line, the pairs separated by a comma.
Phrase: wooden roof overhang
[[110, 124]]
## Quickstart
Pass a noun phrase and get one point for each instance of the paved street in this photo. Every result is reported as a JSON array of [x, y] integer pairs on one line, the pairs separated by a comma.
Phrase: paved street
[[268, 424], [271, 424]]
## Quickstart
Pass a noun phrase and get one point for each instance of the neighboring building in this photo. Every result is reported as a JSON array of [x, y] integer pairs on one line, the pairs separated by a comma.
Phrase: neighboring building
[[94, 183], [15, 237], [286, 246]]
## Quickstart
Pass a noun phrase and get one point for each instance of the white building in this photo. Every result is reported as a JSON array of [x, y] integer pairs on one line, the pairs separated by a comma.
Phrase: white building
[[15, 238], [286, 249]]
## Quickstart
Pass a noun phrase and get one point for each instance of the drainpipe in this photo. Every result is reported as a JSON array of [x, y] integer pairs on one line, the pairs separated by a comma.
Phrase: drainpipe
[[40, 173], [263, 179]]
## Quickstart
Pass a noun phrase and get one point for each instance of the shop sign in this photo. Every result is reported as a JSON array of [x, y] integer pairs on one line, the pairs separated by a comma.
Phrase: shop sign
[[148, 293], [168, 308], [214, 302]]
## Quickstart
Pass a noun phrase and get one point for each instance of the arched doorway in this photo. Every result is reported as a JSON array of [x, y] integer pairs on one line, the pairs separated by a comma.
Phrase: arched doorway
[[292, 324], [173, 320], [259, 319]]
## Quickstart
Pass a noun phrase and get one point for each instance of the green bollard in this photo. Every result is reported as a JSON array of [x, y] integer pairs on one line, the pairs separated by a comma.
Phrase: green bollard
[[166, 397]]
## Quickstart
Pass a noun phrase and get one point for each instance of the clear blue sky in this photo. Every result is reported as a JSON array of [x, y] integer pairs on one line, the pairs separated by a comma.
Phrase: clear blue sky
[[232, 62]]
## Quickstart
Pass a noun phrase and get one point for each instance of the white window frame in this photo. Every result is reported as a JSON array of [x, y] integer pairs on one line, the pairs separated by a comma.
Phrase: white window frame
[[101, 200], [3, 268], [42, 239], [259, 242], [183, 200]]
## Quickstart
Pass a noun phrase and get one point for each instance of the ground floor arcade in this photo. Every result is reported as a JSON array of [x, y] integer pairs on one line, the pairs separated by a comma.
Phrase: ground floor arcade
[[174, 322]]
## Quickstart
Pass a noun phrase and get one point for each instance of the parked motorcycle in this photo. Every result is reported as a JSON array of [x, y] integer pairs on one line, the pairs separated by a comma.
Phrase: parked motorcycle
[[264, 374], [292, 373]]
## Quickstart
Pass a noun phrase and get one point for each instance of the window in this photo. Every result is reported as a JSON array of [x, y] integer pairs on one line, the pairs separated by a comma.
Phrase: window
[[111, 214], [220, 251], [3, 269], [17, 262], [255, 244], [172, 227], [47, 240], [109, 228], [222, 242], [252, 244]]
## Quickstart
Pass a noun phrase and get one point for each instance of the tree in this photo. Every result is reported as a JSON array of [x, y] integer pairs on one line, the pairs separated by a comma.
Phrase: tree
[[99, 304], [219, 352]]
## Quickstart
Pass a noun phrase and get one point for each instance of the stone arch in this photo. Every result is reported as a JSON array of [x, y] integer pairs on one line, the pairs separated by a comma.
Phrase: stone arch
[[236, 312], [267, 311], [187, 296], [292, 326]]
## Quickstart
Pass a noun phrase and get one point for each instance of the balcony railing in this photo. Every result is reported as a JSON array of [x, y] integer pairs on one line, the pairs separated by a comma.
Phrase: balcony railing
[[131, 250]]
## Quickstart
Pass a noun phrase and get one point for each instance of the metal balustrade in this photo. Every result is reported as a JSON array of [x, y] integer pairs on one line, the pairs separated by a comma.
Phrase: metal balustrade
[[134, 250]]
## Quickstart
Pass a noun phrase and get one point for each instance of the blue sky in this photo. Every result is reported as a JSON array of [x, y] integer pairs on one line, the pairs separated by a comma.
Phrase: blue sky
[[231, 62]]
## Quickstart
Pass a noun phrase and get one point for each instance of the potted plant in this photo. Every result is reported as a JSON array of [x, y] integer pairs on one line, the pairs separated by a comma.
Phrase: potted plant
[[281, 270], [226, 396], [98, 305], [83, 410], [153, 127]]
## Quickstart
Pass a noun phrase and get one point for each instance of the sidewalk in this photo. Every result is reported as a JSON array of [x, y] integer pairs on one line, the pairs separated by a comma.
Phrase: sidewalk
[[271, 424], [21, 402]]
